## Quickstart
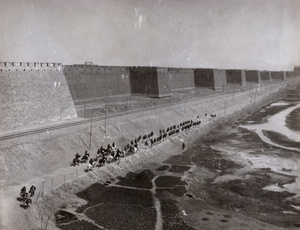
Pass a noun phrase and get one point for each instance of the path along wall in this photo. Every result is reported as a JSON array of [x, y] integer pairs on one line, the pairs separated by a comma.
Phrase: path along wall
[[91, 82], [33, 94]]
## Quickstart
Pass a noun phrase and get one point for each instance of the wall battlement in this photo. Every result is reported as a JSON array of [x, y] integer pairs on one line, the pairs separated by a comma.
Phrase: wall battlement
[[182, 70], [30, 66], [94, 68]]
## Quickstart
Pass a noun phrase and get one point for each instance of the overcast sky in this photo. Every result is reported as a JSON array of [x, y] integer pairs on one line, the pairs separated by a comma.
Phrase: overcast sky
[[246, 34]]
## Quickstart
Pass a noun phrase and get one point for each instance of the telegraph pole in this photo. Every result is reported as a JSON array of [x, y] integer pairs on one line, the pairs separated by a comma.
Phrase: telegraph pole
[[185, 104], [91, 130], [105, 118], [84, 108]]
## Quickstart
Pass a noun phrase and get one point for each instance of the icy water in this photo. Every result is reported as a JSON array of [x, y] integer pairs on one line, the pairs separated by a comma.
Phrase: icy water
[[245, 176]]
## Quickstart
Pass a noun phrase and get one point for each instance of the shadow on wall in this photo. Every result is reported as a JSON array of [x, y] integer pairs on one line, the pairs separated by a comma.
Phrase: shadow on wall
[[88, 82]]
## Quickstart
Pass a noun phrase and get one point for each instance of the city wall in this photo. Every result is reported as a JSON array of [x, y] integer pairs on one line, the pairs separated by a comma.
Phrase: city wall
[[277, 75], [38, 93], [234, 76], [297, 71], [164, 86], [265, 76], [160, 81], [204, 78], [253, 76], [33, 94], [181, 78], [90, 82], [210, 78], [144, 81]]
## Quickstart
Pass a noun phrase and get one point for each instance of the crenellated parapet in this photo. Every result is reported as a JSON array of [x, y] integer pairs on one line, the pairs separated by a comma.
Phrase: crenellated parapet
[[143, 69], [181, 70], [30, 66], [96, 69]]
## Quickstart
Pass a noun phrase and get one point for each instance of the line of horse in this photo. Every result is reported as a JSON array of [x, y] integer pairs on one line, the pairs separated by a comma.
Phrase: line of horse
[[105, 155], [111, 153]]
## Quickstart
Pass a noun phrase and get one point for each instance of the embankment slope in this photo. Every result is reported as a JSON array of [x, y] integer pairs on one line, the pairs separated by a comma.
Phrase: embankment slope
[[43, 159]]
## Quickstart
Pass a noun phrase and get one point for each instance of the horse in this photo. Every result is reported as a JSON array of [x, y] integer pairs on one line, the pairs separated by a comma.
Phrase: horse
[[123, 153], [152, 142], [32, 190], [164, 136], [102, 162], [139, 138], [132, 150], [109, 159], [85, 158], [23, 192], [27, 201], [75, 162], [159, 139], [92, 163]]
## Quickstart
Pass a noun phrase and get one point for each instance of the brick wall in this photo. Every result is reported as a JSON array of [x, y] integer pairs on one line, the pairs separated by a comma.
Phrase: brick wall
[[234, 76], [220, 76], [277, 75], [164, 87], [252, 76], [29, 98], [290, 74], [143, 81], [265, 75], [297, 71], [181, 78], [88, 82], [204, 78]]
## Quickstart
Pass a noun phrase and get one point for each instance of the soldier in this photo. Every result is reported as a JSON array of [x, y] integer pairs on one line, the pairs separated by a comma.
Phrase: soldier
[[32, 190], [23, 192]]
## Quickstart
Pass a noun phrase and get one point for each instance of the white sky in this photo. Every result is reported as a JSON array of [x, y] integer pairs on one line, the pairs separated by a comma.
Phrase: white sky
[[245, 34]]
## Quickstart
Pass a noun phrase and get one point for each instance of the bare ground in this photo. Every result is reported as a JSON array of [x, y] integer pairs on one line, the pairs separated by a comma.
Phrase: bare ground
[[43, 159]]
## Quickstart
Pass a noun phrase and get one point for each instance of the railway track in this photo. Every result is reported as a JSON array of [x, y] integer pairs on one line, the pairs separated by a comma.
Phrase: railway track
[[86, 120]]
